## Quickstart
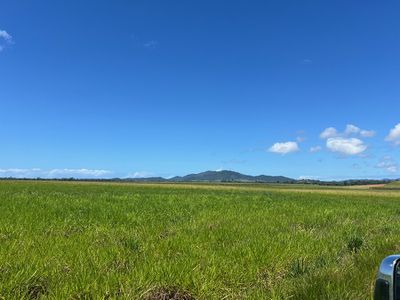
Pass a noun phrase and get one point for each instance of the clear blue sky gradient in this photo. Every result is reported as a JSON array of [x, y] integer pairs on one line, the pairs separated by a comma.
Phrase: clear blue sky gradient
[[173, 87]]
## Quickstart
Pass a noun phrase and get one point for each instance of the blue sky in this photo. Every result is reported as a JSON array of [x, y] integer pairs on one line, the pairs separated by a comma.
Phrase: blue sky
[[141, 88]]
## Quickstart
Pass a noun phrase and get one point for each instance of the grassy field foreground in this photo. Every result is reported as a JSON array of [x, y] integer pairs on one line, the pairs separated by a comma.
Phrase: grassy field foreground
[[147, 241]]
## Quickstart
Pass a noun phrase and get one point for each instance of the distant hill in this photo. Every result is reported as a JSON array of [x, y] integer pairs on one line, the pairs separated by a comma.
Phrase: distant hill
[[229, 176], [144, 179], [232, 176], [393, 185]]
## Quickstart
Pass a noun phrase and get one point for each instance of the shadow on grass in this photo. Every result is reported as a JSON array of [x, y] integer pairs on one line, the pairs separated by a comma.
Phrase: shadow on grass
[[168, 293]]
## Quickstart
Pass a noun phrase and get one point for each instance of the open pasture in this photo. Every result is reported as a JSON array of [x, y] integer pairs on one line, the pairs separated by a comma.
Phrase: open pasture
[[393, 185], [75, 240]]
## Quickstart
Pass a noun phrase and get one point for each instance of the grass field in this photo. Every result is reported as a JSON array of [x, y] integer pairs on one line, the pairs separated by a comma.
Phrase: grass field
[[147, 241], [393, 185]]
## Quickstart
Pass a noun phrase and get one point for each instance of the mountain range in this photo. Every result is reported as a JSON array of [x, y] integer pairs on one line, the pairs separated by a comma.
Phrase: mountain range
[[219, 176], [224, 176]]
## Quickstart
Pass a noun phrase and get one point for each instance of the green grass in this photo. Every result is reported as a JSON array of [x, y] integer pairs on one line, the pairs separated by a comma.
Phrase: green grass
[[393, 185], [127, 241]]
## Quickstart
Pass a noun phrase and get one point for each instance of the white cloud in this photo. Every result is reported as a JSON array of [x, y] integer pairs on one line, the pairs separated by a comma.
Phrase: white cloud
[[301, 136], [394, 135], [140, 174], [77, 173], [5, 35], [5, 39], [308, 177], [306, 61], [17, 172], [284, 148], [351, 129], [388, 164], [151, 44], [341, 142], [346, 146], [367, 133], [53, 173], [315, 149], [329, 133]]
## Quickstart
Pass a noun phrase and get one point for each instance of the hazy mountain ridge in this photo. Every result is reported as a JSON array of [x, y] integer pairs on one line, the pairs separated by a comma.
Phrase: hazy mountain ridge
[[229, 176], [232, 176]]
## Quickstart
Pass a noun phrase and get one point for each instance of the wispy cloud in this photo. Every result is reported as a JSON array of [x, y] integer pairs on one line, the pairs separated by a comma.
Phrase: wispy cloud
[[367, 133], [306, 61], [54, 173], [140, 174], [350, 130], [78, 173], [315, 149], [5, 39], [388, 164], [300, 139], [16, 172], [308, 177], [5, 35], [329, 133], [284, 148], [394, 135], [151, 44], [356, 166], [301, 136]]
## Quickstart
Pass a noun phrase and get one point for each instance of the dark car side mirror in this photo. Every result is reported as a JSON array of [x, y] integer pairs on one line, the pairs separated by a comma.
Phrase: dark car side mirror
[[387, 285]]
